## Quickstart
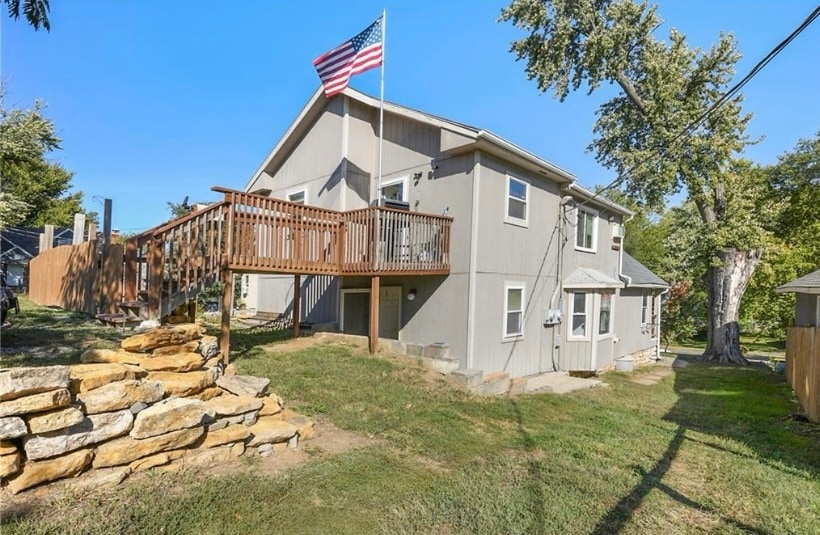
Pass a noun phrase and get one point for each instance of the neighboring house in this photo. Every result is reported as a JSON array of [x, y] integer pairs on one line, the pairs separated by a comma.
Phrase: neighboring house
[[535, 283], [18, 245], [807, 305]]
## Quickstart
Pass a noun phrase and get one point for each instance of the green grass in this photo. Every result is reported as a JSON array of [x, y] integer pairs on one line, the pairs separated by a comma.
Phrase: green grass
[[710, 449], [753, 345]]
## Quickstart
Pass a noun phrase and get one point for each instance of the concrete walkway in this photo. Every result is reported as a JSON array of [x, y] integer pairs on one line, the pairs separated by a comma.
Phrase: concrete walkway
[[660, 369]]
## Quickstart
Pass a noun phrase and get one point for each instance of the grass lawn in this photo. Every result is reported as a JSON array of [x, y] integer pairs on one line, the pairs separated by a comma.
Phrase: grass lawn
[[710, 449]]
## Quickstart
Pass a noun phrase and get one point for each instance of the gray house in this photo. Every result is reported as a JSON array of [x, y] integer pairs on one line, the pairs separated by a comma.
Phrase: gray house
[[538, 279], [807, 305]]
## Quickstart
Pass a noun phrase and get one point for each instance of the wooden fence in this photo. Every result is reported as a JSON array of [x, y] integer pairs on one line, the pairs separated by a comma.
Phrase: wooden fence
[[803, 367], [83, 278]]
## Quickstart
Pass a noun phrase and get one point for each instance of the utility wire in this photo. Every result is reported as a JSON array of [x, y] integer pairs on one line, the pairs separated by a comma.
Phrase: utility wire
[[728, 95]]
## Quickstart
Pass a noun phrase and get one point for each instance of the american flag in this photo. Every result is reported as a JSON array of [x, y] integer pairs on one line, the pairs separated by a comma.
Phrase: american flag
[[355, 56]]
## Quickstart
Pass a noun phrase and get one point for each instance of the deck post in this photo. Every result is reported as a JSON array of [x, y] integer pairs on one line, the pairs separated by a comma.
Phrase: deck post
[[374, 315], [130, 270], [155, 254], [226, 276], [297, 298]]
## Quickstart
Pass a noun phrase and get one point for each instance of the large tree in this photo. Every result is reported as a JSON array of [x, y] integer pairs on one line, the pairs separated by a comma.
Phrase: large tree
[[34, 189], [649, 132]]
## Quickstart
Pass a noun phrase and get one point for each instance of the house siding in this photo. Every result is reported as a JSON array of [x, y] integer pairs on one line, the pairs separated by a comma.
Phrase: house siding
[[337, 159], [632, 338], [805, 310]]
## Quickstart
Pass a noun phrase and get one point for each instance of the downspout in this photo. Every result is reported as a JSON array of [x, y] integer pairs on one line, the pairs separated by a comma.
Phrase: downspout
[[557, 343], [660, 317], [472, 276]]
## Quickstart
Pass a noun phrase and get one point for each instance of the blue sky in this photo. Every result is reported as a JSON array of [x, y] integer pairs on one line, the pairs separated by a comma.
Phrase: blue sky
[[158, 100]]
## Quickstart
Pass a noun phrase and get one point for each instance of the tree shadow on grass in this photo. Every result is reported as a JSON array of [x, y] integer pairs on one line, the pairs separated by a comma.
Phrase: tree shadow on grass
[[747, 404], [246, 342]]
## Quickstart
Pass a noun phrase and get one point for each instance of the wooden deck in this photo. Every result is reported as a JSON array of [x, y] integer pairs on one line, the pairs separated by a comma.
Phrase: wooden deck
[[247, 233]]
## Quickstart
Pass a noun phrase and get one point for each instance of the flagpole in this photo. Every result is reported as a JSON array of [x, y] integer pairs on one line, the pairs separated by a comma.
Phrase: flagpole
[[381, 110]]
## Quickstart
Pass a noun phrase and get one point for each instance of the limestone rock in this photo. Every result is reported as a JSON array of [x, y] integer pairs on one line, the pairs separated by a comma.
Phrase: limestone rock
[[150, 462], [250, 418], [208, 346], [85, 377], [10, 464], [272, 404], [110, 356], [53, 420], [12, 427], [305, 427], [207, 457], [230, 369], [125, 450], [36, 403], [178, 362], [7, 447], [104, 477], [34, 473], [168, 415], [187, 347], [166, 335], [135, 408], [183, 384], [244, 385], [208, 393], [232, 433], [271, 429], [19, 382], [237, 449], [93, 429], [120, 395], [228, 405]]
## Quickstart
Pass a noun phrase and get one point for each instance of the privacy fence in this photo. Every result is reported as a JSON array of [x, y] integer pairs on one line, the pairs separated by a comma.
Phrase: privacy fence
[[83, 278], [803, 367]]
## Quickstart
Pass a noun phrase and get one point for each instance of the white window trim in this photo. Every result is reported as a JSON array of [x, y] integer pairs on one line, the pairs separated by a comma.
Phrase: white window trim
[[587, 335], [405, 191], [514, 220], [513, 285], [645, 309], [594, 214], [604, 336], [292, 192]]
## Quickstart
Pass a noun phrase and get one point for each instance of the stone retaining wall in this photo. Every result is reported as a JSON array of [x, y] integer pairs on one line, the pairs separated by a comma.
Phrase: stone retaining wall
[[165, 398]]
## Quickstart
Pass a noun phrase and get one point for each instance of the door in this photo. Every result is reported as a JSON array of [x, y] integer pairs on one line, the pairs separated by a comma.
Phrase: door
[[355, 316]]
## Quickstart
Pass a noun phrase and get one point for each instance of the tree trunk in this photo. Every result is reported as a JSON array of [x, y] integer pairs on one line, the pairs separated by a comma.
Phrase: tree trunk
[[725, 285]]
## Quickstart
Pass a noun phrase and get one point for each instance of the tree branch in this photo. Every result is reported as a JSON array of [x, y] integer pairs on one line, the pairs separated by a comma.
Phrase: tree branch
[[626, 85]]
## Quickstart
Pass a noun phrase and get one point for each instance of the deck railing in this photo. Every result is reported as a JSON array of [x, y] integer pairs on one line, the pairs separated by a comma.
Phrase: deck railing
[[249, 233]]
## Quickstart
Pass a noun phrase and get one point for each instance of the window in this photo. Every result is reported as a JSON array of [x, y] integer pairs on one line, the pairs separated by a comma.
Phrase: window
[[644, 307], [605, 313], [299, 197], [517, 195], [513, 310], [395, 190], [585, 231], [579, 314]]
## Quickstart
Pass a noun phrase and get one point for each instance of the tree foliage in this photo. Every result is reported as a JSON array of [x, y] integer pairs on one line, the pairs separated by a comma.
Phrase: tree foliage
[[663, 132], [35, 12], [35, 189]]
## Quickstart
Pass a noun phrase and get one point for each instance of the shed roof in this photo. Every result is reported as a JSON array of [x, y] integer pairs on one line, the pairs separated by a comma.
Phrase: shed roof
[[588, 278], [639, 275], [807, 284]]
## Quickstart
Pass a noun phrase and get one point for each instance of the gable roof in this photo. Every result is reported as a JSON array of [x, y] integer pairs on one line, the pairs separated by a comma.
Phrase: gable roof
[[23, 243], [639, 275], [807, 284], [472, 138]]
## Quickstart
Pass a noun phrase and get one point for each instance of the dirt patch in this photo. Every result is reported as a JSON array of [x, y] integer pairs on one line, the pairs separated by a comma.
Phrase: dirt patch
[[328, 441]]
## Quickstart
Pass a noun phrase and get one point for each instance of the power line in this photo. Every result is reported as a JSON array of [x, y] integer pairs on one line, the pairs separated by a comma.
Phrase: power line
[[728, 95]]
